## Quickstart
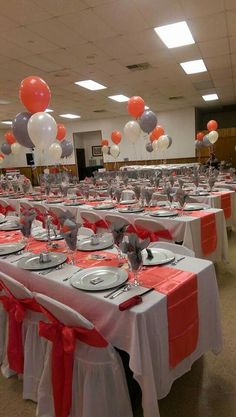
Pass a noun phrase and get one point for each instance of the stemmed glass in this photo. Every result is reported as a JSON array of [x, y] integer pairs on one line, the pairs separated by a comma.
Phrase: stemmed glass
[[135, 262]]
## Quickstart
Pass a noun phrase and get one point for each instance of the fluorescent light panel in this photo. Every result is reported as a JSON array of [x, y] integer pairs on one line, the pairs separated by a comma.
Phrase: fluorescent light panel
[[120, 98], [210, 97], [193, 67], [175, 35], [7, 122], [90, 85], [70, 116]]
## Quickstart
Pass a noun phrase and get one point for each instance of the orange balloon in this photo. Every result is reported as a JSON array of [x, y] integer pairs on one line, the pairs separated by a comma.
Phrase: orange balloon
[[136, 106], [212, 125], [200, 136], [156, 133], [104, 142], [34, 94], [61, 131], [10, 138], [116, 137]]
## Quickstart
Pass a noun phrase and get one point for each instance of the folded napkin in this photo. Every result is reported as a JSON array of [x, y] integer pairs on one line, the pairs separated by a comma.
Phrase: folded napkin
[[26, 219], [133, 247], [69, 229], [133, 301]]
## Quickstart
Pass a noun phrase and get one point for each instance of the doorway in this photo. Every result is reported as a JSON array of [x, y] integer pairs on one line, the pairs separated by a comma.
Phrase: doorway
[[88, 152]]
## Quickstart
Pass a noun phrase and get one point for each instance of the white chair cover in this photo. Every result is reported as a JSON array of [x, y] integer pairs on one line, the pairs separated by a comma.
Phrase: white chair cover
[[34, 346], [3, 321], [99, 386], [116, 219], [149, 225], [92, 218], [178, 249]]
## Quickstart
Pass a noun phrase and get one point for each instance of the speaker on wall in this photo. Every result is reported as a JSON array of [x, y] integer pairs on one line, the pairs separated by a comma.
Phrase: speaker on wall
[[30, 159]]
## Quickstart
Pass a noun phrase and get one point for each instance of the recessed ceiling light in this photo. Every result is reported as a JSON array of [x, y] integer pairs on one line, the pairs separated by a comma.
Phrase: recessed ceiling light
[[70, 116], [48, 110], [210, 97], [193, 67], [7, 122], [175, 35], [90, 85], [120, 98]]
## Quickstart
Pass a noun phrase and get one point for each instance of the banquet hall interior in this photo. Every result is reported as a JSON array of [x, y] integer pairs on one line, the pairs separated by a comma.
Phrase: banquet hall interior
[[117, 208]]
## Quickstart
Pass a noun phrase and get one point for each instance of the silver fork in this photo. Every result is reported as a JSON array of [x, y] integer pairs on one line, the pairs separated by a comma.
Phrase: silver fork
[[177, 260], [124, 289]]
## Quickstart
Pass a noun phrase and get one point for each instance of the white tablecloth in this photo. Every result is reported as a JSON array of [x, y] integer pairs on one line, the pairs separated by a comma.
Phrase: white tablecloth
[[186, 229], [141, 331]]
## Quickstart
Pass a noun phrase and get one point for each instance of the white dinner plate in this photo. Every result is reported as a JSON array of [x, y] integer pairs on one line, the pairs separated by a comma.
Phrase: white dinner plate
[[32, 263], [160, 256], [104, 242], [104, 206], [128, 202], [195, 206], [76, 203], [8, 248], [99, 278], [164, 213]]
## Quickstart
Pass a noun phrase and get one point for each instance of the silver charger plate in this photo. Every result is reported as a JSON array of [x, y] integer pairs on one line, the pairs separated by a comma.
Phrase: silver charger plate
[[99, 199], [195, 206], [74, 204], [32, 263], [164, 213], [104, 242], [99, 278], [14, 197], [128, 202], [160, 257], [36, 199], [10, 225], [43, 236], [166, 204], [104, 207], [131, 210], [55, 201], [200, 194], [8, 248]]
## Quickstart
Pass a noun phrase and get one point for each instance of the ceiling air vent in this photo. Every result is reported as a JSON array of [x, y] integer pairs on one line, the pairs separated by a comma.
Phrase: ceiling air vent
[[139, 67], [99, 111], [176, 97]]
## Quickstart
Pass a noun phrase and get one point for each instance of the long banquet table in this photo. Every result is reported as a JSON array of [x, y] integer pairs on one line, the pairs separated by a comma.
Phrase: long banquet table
[[142, 331], [186, 228]]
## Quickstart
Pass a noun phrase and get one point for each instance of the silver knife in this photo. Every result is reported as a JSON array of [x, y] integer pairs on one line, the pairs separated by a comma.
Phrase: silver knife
[[115, 290], [124, 289]]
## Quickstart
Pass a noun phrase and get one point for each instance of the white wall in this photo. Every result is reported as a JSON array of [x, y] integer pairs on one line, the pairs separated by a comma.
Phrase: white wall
[[179, 124]]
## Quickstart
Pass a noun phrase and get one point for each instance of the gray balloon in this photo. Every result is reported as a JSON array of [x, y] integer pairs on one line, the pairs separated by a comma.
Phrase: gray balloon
[[67, 148], [149, 147], [206, 141], [148, 121], [170, 141], [20, 131], [6, 148]]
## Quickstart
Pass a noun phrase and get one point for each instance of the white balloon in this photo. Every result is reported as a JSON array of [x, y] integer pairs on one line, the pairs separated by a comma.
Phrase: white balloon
[[105, 149], [132, 131], [42, 130], [115, 151], [55, 150], [155, 145], [163, 142], [15, 148], [213, 136]]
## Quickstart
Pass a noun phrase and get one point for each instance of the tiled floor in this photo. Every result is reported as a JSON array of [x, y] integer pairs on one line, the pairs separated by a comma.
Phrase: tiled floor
[[209, 390]]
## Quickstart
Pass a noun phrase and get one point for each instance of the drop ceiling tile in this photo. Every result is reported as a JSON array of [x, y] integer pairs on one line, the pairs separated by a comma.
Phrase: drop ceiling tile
[[218, 62], [232, 42], [208, 28], [231, 20], [116, 47], [23, 12], [125, 17], [161, 12], [220, 73], [28, 40], [230, 4], [39, 62], [233, 59], [224, 82], [90, 26], [59, 8], [186, 53], [11, 50], [193, 8], [146, 41], [214, 47]]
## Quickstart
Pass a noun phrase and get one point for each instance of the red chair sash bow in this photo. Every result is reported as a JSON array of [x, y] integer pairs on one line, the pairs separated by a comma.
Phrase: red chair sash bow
[[16, 309], [63, 340], [153, 236], [94, 226], [5, 209]]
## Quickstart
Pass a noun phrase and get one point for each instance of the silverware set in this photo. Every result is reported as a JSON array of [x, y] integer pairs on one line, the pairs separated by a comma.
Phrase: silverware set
[[117, 291]]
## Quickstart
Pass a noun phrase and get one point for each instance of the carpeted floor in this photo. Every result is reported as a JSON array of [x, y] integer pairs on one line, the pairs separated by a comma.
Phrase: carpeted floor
[[207, 391]]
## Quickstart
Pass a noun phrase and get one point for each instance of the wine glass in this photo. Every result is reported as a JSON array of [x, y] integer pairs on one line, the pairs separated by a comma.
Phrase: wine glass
[[135, 262]]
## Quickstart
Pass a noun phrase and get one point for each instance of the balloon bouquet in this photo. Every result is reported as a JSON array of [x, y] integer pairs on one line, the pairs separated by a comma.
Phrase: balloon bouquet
[[114, 149], [209, 139]]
